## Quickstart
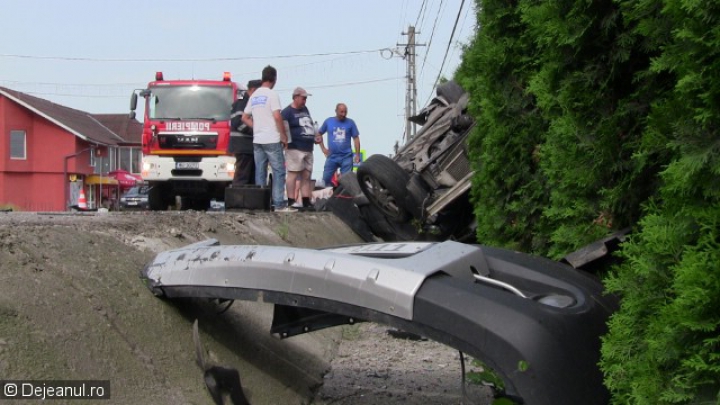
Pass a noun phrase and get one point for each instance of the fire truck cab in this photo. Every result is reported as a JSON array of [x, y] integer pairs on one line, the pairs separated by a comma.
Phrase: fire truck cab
[[186, 131]]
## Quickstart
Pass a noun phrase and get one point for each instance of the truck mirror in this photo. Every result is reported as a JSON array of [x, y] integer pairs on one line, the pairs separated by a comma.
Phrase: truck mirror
[[133, 102]]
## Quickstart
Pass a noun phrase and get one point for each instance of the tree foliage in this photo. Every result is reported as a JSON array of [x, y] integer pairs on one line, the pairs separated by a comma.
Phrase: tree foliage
[[595, 115], [508, 189]]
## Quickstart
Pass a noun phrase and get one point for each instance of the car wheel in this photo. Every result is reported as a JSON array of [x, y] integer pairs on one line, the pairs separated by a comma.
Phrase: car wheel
[[462, 122], [389, 231], [385, 185], [450, 91], [418, 193]]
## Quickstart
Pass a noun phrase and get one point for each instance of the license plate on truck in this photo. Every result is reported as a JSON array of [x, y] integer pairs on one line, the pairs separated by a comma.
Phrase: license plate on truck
[[187, 165]]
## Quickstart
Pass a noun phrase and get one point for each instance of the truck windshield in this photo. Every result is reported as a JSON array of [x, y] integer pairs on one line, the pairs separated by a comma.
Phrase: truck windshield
[[190, 102]]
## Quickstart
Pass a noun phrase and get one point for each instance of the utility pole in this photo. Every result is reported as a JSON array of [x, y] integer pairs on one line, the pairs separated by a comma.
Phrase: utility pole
[[411, 92]]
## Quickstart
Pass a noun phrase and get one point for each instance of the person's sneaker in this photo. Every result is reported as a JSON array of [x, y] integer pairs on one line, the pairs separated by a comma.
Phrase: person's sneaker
[[297, 204], [286, 209]]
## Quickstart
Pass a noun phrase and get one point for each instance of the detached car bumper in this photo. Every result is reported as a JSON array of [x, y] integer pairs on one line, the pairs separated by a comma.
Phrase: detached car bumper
[[535, 322]]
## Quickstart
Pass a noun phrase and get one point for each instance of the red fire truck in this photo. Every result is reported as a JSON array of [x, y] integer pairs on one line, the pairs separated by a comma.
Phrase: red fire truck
[[186, 130]]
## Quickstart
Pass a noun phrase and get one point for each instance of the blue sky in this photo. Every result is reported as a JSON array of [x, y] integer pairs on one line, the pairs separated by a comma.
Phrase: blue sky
[[91, 54]]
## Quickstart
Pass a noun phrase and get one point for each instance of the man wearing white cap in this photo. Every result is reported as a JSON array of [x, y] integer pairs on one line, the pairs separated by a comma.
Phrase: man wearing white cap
[[299, 152]]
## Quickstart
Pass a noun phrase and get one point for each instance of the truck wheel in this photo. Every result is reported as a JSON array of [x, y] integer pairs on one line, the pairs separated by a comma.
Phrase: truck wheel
[[156, 199], [384, 183]]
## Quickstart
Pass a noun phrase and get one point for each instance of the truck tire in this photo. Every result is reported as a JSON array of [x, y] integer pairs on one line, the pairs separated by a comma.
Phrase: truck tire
[[156, 198], [384, 183]]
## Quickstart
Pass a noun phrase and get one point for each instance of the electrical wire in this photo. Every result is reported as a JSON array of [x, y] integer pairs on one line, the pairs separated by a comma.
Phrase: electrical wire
[[462, 26], [324, 86], [403, 16], [432, 34], [238, 58], [420, 13], [137, 85], [73, 84], [452, 35]]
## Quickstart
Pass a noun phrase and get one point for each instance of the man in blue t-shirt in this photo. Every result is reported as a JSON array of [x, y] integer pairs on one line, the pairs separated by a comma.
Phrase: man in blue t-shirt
[[299, 152], [339, 153]]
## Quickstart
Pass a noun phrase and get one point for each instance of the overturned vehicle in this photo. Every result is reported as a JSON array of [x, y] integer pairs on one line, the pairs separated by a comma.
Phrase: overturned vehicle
[[423, 191]]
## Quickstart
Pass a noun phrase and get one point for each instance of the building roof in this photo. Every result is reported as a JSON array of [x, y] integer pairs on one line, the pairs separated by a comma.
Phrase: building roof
[[129, 129], [103, 129]]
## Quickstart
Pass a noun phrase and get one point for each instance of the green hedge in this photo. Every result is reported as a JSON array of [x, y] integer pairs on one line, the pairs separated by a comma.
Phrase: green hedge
[[598, 115]]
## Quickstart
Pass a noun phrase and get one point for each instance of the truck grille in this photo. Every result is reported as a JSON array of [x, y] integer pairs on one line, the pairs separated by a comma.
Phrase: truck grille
[[186, 173], [187, 141]]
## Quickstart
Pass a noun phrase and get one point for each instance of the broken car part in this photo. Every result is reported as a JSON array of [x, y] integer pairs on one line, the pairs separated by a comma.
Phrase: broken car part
[[537, 323]]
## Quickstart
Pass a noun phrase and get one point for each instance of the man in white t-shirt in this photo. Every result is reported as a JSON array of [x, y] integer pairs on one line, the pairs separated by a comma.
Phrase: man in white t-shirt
[[262, 113]]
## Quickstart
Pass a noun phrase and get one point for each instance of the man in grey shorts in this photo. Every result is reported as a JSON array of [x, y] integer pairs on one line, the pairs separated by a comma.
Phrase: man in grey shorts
[[299, 152]]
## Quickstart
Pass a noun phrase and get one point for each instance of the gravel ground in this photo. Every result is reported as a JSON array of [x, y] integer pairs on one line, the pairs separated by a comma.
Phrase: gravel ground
[[374, 367], [72, 307]]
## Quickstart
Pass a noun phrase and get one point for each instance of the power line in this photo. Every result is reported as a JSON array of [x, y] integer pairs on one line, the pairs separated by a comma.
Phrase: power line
[[87, 87], [32, 93], [403, 16], [74, 84], [420, 13], [432, 33], [238, 58], [325, 86], [462, 27], [452, 35]]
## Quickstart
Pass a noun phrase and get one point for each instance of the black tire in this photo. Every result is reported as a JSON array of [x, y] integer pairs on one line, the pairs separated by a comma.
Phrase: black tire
[[385, 185], [349, 182], [199, 204], [417, 193], [156, 198], [388, 231], [450, 91], [462, 122]]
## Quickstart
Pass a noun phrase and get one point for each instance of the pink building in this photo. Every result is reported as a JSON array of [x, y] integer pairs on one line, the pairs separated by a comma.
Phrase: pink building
[[49, 152]]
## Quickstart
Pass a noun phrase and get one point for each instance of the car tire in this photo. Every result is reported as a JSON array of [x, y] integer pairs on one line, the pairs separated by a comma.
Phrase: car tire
[[417, 195], [385, 229], [450, 91], [384, 183], [462, 122]]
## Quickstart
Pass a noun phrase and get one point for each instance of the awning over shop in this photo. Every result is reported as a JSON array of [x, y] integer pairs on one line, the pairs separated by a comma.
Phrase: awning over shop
[[95, 179], [125, 178]]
